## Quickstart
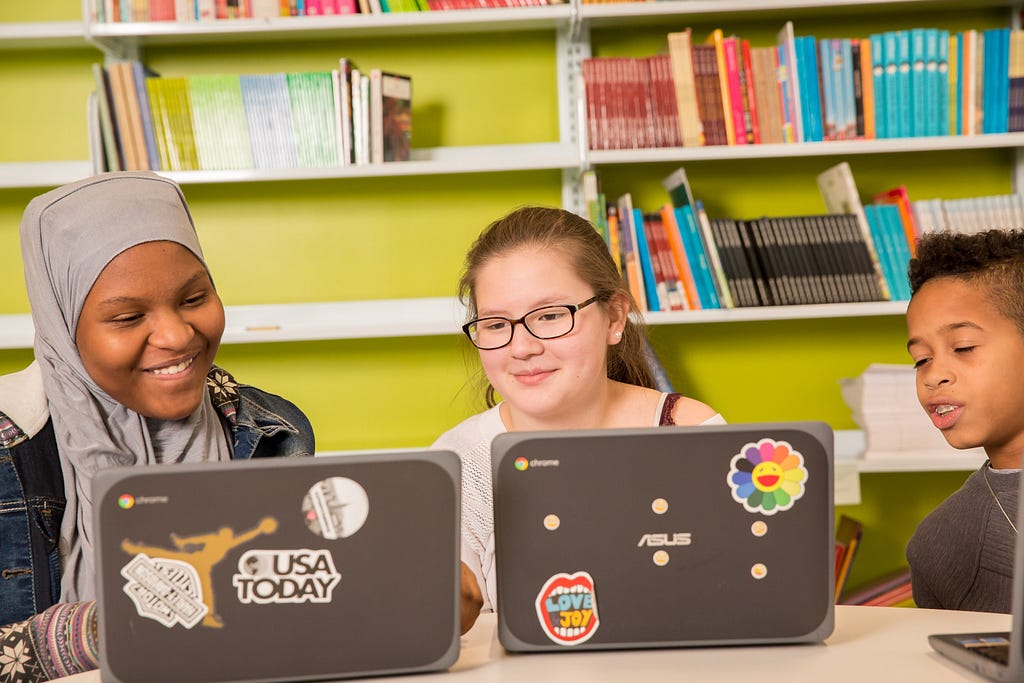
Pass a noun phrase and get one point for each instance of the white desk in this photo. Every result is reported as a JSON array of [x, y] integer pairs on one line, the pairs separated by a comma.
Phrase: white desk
[[869, 644]]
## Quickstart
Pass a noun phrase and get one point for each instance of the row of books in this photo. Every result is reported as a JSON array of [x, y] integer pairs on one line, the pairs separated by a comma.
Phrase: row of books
[[894, 222], [678, 258], [118, 11], [341, 117], [724, 91]]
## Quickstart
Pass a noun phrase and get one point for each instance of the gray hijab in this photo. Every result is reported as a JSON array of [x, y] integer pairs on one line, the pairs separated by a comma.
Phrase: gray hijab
[[68, 236]]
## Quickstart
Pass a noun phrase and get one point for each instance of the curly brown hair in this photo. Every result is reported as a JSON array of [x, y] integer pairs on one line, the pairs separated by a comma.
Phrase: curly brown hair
[[550, 228], [993, 259]]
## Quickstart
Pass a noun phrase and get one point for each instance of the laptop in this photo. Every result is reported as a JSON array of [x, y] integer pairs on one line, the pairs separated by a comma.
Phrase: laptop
[[995, 655], [280, 568], [664, 536]]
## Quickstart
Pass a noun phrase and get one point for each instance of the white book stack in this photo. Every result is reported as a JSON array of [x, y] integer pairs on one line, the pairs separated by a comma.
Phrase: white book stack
[[884, 403]]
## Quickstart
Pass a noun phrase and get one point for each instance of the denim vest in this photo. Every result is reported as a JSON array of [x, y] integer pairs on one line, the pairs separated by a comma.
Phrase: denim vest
[[32, 486]]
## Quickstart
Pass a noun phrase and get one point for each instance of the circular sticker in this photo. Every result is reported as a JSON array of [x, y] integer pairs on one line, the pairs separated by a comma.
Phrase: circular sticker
[[759, 571], [552, 522], [335, 508], [759, 528], [660, 506], [660, 558]]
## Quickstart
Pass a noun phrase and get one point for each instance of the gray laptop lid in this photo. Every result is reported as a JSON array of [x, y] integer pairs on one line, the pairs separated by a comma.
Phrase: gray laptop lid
[[974, 650], [664, 536], [279, 568]]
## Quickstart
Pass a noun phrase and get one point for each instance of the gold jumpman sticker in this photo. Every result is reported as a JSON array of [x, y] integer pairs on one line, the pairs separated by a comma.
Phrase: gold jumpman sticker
[[213, 548]]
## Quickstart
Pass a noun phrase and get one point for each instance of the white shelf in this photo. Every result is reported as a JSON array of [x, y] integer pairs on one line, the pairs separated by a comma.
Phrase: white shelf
[[806, 149], [306, 321], [327, 27], [850, 451], [41, 34], [813, 311], [42, 173], [615, 14], [428, 161], [423, 317]]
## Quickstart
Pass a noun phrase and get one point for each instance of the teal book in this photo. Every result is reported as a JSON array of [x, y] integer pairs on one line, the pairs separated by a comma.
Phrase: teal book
[[646, 267], [702, 275], [919, 112]]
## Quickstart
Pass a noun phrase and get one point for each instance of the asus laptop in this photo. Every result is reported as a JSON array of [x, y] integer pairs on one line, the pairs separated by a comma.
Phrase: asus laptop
[[664, 536], [998, 656], [279, 569]]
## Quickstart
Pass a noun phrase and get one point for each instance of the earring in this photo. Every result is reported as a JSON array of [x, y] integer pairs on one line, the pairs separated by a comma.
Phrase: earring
[[618, 335]]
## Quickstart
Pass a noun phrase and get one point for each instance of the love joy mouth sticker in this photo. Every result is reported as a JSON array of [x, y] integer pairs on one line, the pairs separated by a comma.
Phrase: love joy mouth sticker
[[567, 608], [767, 476]]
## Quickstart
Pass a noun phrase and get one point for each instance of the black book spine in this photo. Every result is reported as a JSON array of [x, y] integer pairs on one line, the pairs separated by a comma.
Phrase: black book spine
[[756, 263]]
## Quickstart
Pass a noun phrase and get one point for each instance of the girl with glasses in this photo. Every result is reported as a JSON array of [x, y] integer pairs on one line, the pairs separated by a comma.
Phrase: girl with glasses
[[561, 342]]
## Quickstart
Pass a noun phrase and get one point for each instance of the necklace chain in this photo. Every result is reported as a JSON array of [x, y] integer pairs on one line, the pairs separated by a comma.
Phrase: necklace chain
[[984, 473]]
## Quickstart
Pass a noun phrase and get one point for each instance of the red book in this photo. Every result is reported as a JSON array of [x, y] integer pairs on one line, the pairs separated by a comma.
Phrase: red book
[[736, 94], [161, 10], [750, 102]]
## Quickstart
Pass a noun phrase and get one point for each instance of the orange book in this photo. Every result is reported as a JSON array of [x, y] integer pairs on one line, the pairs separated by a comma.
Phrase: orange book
[[867, 89], [675, 242], [614, 242], [717, 39]]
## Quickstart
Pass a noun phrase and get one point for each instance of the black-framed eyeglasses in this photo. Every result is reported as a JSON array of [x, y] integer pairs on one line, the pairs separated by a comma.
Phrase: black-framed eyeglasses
[[546, 322]]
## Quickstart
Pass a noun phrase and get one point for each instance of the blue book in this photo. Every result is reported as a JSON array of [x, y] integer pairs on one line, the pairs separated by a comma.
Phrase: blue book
[[810, 93], [943, 81], [904, 95], [644, 254], [849, 103], [959, 87], [1003, 106], [988, 86], [829, 64], [140, 73], [689, 231], [884, 249], [892, 85], [901, 249], [878, 85], [918, 113]]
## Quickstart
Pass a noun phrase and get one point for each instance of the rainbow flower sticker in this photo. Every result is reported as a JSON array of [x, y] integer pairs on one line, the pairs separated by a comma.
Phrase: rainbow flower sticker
[[767, 476]]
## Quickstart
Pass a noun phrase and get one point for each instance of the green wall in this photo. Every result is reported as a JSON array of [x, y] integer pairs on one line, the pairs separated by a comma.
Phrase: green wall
[[382, 238]]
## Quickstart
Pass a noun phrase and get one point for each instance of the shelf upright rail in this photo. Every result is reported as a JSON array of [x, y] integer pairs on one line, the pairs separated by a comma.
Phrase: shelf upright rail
[[572, 46]]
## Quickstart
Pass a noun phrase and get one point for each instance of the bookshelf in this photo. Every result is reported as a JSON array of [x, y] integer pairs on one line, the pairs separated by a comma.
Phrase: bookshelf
[[344, 360], [571, 24]]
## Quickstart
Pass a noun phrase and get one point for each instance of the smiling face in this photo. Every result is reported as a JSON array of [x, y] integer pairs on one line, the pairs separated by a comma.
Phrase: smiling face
[[970, 361], [150, 328], [545, 382]]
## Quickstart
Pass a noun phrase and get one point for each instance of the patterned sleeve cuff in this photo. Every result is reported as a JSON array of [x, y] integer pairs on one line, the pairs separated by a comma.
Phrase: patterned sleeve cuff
[[60, 641]]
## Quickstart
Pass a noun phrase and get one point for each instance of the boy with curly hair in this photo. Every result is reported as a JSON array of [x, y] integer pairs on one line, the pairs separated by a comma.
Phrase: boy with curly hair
[[965, 325]]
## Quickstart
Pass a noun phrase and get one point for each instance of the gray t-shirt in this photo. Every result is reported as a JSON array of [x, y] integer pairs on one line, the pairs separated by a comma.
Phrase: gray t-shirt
[[961, 555]]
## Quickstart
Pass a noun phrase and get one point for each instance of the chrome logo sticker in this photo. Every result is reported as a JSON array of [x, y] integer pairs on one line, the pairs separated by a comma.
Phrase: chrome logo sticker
[[567, 608], [767, 476]]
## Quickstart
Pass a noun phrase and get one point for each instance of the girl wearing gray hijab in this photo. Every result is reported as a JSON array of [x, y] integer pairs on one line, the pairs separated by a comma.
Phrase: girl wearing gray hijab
[[127, 323]]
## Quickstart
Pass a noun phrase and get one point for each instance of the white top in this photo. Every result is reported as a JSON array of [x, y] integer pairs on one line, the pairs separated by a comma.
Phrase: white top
[[471, 441]]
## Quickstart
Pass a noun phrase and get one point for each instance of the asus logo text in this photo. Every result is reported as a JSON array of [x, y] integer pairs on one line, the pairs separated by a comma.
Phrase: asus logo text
[[654, 540]]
